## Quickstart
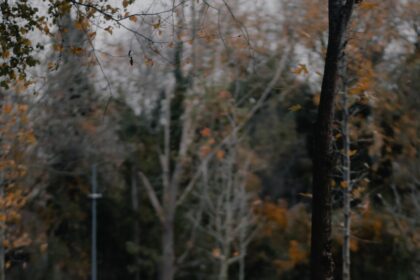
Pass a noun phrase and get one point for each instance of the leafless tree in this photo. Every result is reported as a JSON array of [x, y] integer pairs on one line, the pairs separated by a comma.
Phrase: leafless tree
[[226, 211]]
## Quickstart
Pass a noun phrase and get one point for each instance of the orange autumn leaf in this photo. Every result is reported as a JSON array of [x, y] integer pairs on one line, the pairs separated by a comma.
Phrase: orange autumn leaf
[[344, 184], [23, 108], [368, 5], [296, 254], [82, 24], [76, 50], [220, 154], [354, 245], [6, 54], [205, 132], [275, 213], [7, 108]]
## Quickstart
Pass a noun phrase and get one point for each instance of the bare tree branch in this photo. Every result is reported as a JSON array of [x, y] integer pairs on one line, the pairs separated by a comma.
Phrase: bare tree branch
[[153, 197]]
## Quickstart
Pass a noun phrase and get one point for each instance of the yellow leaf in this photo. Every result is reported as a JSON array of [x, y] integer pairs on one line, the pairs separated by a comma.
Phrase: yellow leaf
[[133, 18], [300, 69], [295, 108], [352, 153], [308, 195], [125, 3], [156, 25]]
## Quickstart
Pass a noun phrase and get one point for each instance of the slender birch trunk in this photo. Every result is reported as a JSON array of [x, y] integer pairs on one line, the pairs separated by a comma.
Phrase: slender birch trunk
[[223, 272], [168, 255], [347, 179]]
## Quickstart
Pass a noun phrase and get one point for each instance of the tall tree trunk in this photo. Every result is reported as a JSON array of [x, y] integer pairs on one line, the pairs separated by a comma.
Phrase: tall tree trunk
[[135, 204], [339, 12], [2, 234], [168, 254], [224, 268], [3, 220], [168, 200], [347, 179]]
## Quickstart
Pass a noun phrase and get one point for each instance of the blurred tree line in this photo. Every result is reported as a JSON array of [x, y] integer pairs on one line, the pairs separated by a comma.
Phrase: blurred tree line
[[202, 139]]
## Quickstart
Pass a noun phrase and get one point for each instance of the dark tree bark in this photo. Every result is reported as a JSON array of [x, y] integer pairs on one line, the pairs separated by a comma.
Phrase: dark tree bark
[[339, 12]]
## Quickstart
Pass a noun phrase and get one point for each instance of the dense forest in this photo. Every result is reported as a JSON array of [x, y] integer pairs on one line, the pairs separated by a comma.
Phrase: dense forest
[[209, 139]]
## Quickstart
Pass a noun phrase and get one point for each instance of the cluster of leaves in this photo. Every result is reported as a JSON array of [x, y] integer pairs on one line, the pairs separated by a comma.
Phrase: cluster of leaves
[[280, 137], [18, 21], [22, 20], [17, 137]]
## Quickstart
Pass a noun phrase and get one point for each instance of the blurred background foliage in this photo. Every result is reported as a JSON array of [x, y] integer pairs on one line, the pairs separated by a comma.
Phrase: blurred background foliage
[[222, 68]]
